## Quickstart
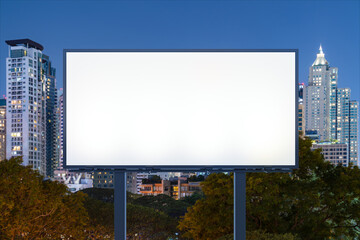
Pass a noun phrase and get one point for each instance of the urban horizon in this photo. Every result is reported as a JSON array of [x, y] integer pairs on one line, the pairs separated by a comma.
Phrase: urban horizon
[[310, 111], [316, 199]]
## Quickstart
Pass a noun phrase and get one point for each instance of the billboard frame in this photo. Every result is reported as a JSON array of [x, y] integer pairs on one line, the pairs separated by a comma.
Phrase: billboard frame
[[184, 168]]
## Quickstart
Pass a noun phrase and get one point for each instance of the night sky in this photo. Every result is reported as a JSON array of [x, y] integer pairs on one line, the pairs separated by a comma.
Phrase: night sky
[[190, 25]]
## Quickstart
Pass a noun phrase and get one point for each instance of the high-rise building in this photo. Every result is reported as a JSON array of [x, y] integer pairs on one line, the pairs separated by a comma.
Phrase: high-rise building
[[60, 173], [353, 129], [52, 118], [317, 97], [301, 118], [26, 103], [61, 131], [2, 129], [329, 112]]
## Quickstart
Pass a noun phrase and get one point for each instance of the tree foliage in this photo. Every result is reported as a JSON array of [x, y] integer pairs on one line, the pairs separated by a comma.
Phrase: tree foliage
[[142, 222], [316, 201], [164, 203], [34, 208], [211, 217], [101, 194], [195, 178], [31, 208], [147, 223], [101, 218], [262, 235], [191, 200], [152, 179]]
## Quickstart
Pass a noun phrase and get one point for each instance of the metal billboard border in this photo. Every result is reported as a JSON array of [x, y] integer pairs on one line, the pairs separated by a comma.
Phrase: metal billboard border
[[181, 168]]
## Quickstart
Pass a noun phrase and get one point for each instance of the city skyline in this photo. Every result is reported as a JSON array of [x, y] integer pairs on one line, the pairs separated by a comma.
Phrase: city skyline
[[121, 113], [211, 25], [329, 111], [340, 55]]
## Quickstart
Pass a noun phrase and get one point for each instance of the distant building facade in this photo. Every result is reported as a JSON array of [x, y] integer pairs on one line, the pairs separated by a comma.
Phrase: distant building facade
[[105, 179], [52, 117], [334, 153], [301, 115], [77, 181], [156, 188], [2, 129], [301, 127], [26, 104], [61, 131], [175, 189]]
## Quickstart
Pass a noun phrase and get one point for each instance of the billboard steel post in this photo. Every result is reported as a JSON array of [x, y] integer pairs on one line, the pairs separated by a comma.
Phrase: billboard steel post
[[239, 205], [120, 205]]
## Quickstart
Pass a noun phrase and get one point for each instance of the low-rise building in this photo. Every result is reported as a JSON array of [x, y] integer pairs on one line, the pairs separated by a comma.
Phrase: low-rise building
[[75, 181], [334, 152], [176, 189], [156, 188], [106, 180], [188, 189]]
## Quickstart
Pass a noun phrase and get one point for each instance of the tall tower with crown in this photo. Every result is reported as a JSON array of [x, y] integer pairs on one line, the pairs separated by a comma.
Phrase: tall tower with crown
[[328, 109]]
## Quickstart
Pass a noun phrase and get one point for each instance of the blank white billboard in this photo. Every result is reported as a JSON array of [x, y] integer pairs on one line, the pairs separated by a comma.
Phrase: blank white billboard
[[190, 108]]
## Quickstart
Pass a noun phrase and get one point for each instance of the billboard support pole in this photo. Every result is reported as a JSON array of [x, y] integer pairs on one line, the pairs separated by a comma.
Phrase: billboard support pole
[[239, 205], [120, 205]]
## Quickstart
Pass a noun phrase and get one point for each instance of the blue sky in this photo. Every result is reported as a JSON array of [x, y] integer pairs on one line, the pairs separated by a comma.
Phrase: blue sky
[[190, 25]]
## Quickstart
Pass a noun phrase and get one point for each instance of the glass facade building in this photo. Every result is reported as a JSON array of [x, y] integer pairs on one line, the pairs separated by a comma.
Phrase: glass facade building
[[329, 110], [52, 118], [27, 74]]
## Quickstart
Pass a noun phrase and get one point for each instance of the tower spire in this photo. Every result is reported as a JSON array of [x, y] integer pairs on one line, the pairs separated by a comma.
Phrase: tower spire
[[320, 58]]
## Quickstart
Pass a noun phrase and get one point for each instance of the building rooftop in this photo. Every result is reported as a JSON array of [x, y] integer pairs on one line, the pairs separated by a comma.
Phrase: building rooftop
[[25, 42], [320, 58]]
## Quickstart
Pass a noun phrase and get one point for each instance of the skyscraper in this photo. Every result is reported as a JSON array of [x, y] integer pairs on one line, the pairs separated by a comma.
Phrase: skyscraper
[[301, 126], [61, 131], [26, 103], [52, 118], [353, 129], [328, 109], [317, 97]]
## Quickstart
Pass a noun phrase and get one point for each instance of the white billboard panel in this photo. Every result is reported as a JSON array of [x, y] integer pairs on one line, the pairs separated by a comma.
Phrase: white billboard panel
[[177, 109]]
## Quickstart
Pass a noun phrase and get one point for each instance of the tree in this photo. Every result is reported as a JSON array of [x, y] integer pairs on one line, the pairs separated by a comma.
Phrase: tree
[[152, 179], [32, 208], [261, 235], [101, 218], [147, 223], [195, 178], [211, 217], [316, 201], [163, 203], [101, 194], [191, 200]]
